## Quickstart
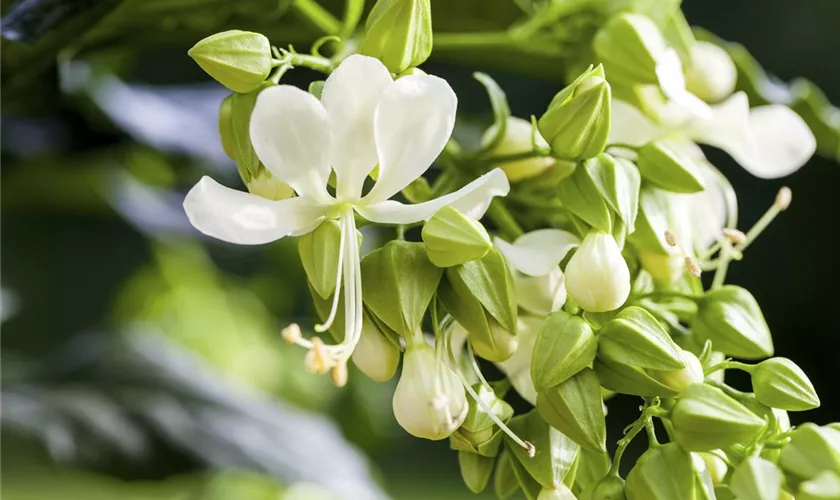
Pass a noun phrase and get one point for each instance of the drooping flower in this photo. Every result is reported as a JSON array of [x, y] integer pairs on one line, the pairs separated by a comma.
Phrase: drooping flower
[[364, 119], [768, 141]]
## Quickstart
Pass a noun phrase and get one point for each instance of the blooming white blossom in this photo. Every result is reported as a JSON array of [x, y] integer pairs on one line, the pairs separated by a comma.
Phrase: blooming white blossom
[[364, 119]]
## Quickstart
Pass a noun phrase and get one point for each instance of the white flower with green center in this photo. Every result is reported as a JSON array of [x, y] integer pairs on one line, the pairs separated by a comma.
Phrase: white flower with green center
[[768, 141], [364, 119]]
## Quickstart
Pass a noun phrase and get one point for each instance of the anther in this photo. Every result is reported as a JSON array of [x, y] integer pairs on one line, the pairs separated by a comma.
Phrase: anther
[[693, 267], [291, 333], [338, 374], [783, 198], [735, 236], [530, 449], [316, 359], [670, 238]]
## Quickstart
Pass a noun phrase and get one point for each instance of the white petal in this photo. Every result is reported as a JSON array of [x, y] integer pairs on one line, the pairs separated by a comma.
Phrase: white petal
[[290, 132], [246, 219], [413, 121], [628, 125], [518, 367], [727, 128], [712, 75], [669, 72], [709, 210], [540, 295], [350, 96], [783, 142], [472, 200], [539, 252]]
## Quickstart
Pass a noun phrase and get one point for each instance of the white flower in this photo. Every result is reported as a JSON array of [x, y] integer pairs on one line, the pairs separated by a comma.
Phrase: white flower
[[535, 258], [768, 141], [364, 119], [712, 75]]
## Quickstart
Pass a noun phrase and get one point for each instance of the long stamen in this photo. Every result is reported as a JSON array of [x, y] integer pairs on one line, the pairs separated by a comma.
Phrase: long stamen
[[328, 323], [530, 449]]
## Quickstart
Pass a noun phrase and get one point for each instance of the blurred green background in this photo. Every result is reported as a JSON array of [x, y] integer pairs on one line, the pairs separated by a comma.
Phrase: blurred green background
[[140, 360]]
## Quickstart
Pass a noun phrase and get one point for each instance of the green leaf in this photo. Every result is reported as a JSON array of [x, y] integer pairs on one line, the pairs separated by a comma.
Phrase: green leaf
[[501, 111], [635, 338], [565, 345], [404, 282], [619, 182], [575, 408], [241, 106], [581, 196], [556, 454]]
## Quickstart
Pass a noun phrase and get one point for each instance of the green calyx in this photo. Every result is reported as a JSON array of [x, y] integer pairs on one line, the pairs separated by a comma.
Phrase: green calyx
[[670, 169], [577, 122], [756, 479], [451, 238], [565, 345], [635, 338], [780, 383], [630, 45], [478, 433], [666, 472], [399, 33], [582, 197], [704, 418], [731, 318], [239, 60], [475, 470], [811, 451], [575, 408]]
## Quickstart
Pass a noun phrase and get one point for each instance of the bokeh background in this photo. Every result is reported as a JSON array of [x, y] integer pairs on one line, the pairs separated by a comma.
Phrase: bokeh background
[[140, 360]]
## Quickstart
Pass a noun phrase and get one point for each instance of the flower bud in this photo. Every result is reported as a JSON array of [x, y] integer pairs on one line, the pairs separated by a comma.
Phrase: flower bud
[[704, 418], [399, 33], [630, 45], [630, 380], [712, 75], [239, 60], [451, 238], [479, 294], [577, 121], [540, 295], [429, 401], [669, 168], [565, 346], [518, 139], [479, 434], [756, 478], [376, 355], [780, 383], [610, 487], [731, 318], [475, 470], [680, 379], [635, 338], [405, 281], [825, 486], [576, 409], [597, 276], [811, 450], [665, 472]]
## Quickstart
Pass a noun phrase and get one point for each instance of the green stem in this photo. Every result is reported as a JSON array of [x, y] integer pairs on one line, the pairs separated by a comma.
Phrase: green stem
[[504, 220], [400, 232], [726, 365], [525, 155], [317, 63], [318, 16], [484, 40]]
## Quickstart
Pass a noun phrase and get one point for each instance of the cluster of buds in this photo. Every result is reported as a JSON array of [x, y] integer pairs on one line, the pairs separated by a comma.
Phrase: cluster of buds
[[604, 294]]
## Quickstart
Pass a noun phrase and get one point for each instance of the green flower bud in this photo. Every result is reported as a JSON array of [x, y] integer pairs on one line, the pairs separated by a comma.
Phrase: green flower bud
[[475, 470], [226, 126], [630, 380], [429, 401], [577, 121], [636, 338], [665, 472], [405, 281], [239, 60], [399, 33], [480, 296], [704, 418], [518, 139], [479, 434], [712, 75], [630, 45], [597, 276], [669, 168], [731, 318], [811, 450], [825, 486], [319, 255], [582, 196], [609, 488], [680, 379], [576, 409], [556, 455], [780, 383], [377, 354], [565, 346], [756, 479], [451, 238], [559, 492]]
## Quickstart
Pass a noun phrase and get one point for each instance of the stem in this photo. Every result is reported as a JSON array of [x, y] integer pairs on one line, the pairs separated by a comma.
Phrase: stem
[[400, 232], [622, 445], [318, 16], [651, 432], [726, 365], [669, 294], [317, 63], [525, 155], [504, 220], [483, 40]]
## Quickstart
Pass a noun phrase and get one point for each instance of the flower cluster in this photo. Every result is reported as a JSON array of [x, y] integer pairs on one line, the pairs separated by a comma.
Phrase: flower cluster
[[602, 295]]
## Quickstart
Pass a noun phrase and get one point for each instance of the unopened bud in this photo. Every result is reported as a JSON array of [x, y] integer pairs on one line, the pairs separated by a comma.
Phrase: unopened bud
[[780, 383], [680, 379], [825, 486], [451, 238], [565, 345], [291, 333], [665, 472], [518, 139], [597, 276], [239, 60], [338, 374], [577, 121], [704, 418], [783, 198], [712, 75], [811, 450], [399, 33], [731, 318], [319, 250], [635, 338], [756, 478]]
